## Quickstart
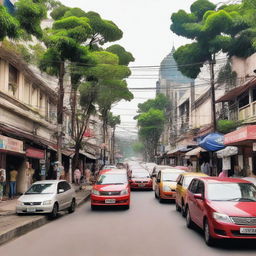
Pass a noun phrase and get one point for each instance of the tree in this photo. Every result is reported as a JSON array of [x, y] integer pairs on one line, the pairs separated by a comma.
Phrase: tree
[[212, 30], [63, 44], [113, 121], [151, 125]]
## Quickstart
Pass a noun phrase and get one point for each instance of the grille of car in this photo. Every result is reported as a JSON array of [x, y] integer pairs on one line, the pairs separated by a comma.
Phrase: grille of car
[[141, 182], [33, 203], [251, 221], [110, 193]]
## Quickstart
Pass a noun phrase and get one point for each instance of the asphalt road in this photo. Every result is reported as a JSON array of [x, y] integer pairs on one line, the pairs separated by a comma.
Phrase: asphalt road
[[148, 228]]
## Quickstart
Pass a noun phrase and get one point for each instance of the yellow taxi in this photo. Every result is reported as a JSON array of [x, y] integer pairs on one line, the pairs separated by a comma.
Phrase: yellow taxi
[[165, 184], [183, 182]]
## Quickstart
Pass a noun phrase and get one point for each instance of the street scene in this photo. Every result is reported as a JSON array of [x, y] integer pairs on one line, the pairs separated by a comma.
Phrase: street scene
[[127, 127]]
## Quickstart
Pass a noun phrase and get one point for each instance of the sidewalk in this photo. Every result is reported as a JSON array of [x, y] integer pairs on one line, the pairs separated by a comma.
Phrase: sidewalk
[[12, 226]]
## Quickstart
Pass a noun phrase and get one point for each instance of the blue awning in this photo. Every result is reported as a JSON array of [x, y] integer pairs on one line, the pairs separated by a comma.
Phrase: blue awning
[[213, 142]]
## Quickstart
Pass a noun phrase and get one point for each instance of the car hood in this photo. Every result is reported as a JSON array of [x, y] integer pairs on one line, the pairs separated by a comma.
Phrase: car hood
[[110, 187], [141, 179], [171, 184], [36, 198], [241, 209]]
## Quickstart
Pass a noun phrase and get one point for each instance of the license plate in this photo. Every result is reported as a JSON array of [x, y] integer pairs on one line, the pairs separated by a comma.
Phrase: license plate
[[248, 230], [110, 201], [31, 209], [141, 185]]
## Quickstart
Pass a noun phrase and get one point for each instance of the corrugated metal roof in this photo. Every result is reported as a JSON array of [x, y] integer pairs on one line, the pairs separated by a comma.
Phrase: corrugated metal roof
[[232, 94]]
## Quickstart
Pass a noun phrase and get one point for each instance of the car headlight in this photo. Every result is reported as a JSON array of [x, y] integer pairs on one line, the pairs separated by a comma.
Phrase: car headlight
[[220, 217], [19, 203], [47, 202], [124, 192], [167, 189], [95, 192]]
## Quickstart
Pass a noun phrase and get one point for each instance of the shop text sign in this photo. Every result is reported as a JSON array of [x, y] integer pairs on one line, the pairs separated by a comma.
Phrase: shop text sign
[[10, 144], [243, 134], [35, 153]]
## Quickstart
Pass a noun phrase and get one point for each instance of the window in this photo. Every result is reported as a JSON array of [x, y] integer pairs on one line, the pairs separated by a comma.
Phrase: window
[[243, 100], [200, 188], [66, 186], [193, 185], [13, 81], [179, 180], [61, 185], [26, 92], [254, 94]]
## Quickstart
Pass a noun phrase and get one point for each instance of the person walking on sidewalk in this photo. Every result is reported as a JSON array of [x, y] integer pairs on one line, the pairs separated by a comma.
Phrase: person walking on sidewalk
[[77, 176], [87, 175], [13, 180], [1, 185]]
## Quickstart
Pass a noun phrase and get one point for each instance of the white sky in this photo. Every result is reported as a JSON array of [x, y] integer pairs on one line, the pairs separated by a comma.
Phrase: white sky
[[147, 35]]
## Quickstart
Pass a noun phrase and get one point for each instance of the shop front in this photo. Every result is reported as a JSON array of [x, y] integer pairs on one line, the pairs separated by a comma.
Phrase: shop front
[[245, 139], [12, 157]]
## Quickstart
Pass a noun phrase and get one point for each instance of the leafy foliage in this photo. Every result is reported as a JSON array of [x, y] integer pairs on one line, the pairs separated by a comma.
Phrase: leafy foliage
[[226, 126], [226, 75]]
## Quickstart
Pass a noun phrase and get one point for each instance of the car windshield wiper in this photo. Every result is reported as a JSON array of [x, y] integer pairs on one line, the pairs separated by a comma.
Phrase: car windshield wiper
[[242, 199], [170, 180]]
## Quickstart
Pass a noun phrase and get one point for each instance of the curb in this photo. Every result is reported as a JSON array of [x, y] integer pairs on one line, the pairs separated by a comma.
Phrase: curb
[[27, 227]]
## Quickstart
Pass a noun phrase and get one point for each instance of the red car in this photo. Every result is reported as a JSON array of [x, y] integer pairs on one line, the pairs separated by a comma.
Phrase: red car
[[222, 207], [111, 188], [141, 180]]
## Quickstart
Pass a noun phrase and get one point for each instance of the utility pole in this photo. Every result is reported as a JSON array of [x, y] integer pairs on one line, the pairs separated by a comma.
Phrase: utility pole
[[212, 62], [60, 113]]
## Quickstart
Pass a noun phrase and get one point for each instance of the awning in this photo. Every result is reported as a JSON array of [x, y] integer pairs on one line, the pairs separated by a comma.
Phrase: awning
[[242, 135], [180, 149], [213, 142], [227, 152], [232, 94], [87, 154], [195, 151]]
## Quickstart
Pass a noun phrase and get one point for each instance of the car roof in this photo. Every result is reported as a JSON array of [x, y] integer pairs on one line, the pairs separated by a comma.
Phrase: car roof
[[194, 174], [115, 171], [222, 180], [172, 170], [48, 181]]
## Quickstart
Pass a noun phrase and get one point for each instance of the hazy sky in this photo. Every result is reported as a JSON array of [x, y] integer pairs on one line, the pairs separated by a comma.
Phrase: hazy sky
[[147, 35]]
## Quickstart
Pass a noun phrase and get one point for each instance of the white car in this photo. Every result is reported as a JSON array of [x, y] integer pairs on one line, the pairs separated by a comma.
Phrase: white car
[[48, 196]]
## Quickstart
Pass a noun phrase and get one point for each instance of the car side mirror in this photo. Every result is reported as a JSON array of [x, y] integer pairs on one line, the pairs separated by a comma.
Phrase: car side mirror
[[60, 191], [158, 180], [198, 196]]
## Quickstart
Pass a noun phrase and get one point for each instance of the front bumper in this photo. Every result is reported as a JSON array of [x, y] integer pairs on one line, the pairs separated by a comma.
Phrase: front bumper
[[141, 185], [229, 230], [168, 195], [101, 200], [34, 209]]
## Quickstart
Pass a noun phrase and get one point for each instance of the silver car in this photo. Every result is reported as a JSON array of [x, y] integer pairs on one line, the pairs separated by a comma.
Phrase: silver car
[[48, 196]]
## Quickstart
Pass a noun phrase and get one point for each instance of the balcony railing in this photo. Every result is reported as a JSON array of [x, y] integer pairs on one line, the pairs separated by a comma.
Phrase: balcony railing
[[244, 113]]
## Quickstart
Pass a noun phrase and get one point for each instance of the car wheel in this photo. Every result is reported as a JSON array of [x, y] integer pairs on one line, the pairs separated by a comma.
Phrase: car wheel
[[183, 210], [72, 207], [177, 207], [159, 198], [19, 214], [54, 213], [93, 207], [207, 236], [127, 207], [189, 222]]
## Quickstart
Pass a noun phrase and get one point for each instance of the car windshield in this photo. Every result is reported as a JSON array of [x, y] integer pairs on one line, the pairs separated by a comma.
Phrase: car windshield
[[187, 181], [109, 179], [170, 176], [238, 192], [46, 188], [140, 175]]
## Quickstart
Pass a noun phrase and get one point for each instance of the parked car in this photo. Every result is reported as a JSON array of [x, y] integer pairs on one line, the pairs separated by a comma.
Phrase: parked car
[[251, 179], [157, 168], [222, 208], [141, 180], [165, 184], [49, 196], [111, 188], [183, 182]]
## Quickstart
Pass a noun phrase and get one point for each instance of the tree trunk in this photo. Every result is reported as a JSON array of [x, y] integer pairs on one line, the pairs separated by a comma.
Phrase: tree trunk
[[60, 112], [73, 103], [76, 157]]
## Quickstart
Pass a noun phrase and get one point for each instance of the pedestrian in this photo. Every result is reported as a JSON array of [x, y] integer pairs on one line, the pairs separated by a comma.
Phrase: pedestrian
[[29, 173], [205, 168], [3, 171], [1, 185], [77, 176], [13, 181], [87, 175], [189, 165], [223, 174]]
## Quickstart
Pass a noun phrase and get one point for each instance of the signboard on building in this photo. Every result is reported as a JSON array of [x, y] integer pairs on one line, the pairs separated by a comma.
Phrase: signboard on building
[[35, 153], [11, 144]]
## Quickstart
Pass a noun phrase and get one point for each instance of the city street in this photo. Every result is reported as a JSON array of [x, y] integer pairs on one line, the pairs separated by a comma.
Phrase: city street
[[148, 228]]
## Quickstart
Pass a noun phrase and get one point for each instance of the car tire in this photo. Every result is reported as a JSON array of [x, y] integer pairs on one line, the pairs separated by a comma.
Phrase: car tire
[[178, 208], [19, 214], [127, 207], [189, 222], [160, 199], [183, 210], [72, 207], [207, 236], [93, 207], [54, 213]]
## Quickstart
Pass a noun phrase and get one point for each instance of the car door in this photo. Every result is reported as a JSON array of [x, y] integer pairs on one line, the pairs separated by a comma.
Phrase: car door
[[68, 194], [179, 189], [61, 197], [190, 198]]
